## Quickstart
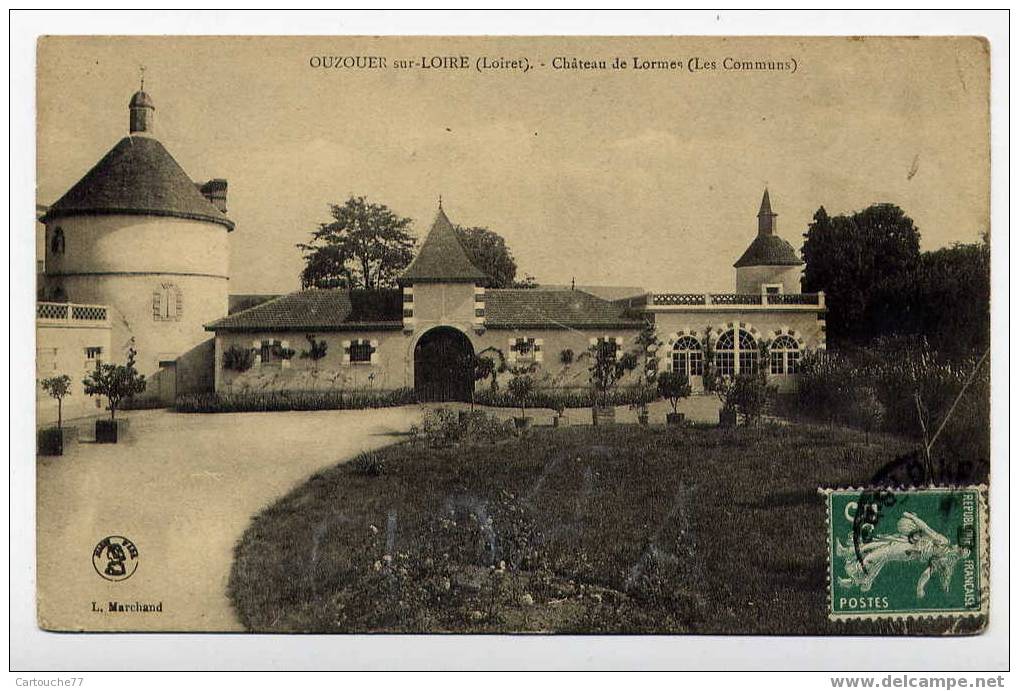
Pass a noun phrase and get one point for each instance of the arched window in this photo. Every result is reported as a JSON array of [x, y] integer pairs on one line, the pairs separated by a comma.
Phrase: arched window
[[57, 243], [785, 355], [732, 349], [747, 353], [687, 357]]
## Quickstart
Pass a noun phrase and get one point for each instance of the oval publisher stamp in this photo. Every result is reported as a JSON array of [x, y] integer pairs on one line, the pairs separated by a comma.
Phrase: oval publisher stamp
[[115, 558], [896, 553]]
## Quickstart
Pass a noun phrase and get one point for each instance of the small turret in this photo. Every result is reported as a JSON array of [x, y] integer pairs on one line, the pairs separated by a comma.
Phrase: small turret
[[143, 112], [770, 263]]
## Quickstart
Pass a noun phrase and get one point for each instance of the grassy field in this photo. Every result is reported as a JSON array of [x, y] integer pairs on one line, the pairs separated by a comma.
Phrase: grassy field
[[621, 529]]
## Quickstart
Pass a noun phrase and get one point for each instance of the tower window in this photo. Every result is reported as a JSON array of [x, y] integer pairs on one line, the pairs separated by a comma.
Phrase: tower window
[[167, 303], [58, 243]]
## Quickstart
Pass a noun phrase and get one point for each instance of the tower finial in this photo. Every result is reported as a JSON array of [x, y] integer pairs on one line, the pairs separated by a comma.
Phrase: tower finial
[[141, 73], [440, 202]]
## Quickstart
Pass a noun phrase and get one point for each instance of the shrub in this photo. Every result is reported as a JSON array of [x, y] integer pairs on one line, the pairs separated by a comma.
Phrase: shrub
[[443, 427], [283, 353], [674, 386], [562, 398], [316, 349], [369, 463], [273, 401], [566, 356], [238, 359], [748, 394]]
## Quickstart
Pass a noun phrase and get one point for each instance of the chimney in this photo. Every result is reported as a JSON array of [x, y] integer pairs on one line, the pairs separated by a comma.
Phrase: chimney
[[215, 191]]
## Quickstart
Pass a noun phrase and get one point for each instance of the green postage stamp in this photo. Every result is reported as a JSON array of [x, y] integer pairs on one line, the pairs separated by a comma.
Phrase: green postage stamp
[[898, 553]]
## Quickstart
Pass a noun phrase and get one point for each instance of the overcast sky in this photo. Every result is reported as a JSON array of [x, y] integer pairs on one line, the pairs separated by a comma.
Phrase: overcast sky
[[649, 178]]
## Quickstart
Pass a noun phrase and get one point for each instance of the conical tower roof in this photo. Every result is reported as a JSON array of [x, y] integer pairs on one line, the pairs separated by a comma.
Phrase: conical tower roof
[[137, 176], [442, 259]]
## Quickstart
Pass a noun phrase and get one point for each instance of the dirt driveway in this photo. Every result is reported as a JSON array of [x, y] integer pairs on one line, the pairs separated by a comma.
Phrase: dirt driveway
[[183, 490]]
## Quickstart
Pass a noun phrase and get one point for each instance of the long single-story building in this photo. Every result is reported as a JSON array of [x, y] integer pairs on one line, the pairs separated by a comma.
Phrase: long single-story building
[[417, 335]]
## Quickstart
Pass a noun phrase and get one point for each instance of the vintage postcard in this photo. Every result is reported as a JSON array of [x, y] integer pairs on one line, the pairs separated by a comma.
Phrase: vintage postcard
[[530, 335]]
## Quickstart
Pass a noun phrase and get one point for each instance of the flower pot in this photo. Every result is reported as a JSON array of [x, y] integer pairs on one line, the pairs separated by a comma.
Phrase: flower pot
[[110, 431], [726, 418], [522, 423], [52, 441], [603, 415], [674, 418]]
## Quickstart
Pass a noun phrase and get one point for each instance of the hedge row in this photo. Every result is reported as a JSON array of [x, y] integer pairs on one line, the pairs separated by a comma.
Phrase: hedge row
[[272, 401], [566, 398]]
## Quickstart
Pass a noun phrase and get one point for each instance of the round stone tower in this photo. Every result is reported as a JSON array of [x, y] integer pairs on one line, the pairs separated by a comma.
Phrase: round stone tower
[[770, 264], [138, 235]]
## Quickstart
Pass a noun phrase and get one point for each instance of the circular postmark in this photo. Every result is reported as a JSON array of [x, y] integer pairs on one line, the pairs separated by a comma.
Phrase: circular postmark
[[115, 558]]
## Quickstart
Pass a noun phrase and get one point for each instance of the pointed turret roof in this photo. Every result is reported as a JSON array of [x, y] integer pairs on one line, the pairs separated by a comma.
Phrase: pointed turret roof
[[442, 258], [768, 249], [766, 205]]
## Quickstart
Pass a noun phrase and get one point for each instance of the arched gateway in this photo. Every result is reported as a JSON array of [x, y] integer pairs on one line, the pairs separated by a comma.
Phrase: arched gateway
[[440, 371]]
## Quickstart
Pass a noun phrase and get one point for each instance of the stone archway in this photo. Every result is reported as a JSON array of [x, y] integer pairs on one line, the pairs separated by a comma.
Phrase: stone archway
[[440, 373]]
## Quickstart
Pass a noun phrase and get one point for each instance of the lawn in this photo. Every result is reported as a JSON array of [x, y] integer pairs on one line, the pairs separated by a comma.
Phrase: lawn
[[576, 530]]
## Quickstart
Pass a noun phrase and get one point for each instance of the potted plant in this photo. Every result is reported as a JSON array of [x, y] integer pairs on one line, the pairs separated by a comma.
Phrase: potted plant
[[558, 407], [116, 383], [607, 368], [724, 386], [521, 388], [673, 386], [53, 440]]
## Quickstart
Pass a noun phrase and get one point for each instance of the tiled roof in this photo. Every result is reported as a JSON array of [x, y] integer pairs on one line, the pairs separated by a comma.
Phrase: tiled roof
[[520, 308], [769, 250], [319, 310], [137, 176], [442, 258], [340, 310]]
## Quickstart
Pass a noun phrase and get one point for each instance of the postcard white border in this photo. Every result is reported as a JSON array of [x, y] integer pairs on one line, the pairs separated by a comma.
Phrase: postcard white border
[[34, 649]]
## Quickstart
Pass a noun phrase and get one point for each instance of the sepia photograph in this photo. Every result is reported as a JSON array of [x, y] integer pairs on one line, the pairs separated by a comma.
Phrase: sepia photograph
[[541, 336]]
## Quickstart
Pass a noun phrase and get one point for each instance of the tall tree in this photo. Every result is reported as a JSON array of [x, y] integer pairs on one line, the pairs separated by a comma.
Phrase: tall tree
[[952, 298], [488, 251], [366, 245], [862, 261]]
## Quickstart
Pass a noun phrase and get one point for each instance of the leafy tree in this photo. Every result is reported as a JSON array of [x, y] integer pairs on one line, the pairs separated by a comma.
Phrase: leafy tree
[[478, 368], [58, 387], [115, 382], [607, 368], [488, 251], [366, 245], [951, 298], [861, 261], [521, 388], [673, 386]]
